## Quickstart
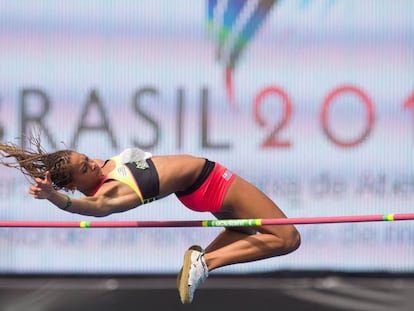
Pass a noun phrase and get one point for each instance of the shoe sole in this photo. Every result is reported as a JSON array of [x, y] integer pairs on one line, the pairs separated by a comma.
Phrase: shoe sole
[[182, 279]]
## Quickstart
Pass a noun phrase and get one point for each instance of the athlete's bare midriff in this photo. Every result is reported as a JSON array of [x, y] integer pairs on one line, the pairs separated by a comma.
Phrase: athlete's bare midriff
[[177, 173]]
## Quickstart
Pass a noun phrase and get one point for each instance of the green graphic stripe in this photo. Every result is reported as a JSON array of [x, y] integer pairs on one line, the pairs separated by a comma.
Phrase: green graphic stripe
[[388, 217], [232, 223], [85, 224]]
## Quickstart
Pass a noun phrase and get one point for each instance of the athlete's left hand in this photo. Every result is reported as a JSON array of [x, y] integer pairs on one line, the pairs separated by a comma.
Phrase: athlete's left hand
[[42, 188]]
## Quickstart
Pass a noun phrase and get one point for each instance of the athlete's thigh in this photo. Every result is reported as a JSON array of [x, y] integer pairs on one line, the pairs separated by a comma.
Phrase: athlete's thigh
[[244, 201]]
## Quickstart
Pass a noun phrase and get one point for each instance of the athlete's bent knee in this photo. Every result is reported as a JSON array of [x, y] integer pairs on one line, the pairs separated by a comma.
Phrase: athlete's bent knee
[[293, 242]]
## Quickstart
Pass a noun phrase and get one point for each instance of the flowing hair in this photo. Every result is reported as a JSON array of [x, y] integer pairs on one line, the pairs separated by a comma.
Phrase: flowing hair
[[34, 162]]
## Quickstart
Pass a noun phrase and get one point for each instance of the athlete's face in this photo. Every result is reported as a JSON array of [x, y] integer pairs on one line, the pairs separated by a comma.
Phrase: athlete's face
[[86, 173]]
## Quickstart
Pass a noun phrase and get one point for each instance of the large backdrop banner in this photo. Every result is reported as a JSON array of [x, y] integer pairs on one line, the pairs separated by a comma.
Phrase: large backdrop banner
[[312, 101]]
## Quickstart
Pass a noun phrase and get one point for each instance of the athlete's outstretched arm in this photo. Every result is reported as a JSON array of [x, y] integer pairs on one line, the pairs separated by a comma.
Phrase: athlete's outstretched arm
[[99, 205]]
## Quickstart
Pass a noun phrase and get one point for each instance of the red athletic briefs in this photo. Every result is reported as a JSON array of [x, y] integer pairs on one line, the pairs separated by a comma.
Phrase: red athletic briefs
[[209, 196]]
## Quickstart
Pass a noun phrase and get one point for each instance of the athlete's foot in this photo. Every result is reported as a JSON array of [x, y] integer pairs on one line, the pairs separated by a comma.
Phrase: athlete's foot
[[193, 273]]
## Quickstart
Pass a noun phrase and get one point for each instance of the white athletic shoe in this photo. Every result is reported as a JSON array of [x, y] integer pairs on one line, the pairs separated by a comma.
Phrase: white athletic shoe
[[193, 273]]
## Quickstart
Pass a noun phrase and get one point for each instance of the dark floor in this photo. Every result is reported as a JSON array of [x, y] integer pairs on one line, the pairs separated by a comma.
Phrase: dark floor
[[264, 292]]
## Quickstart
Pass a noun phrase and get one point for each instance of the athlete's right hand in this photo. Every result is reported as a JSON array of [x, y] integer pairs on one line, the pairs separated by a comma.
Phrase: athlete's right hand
[[42, 188]]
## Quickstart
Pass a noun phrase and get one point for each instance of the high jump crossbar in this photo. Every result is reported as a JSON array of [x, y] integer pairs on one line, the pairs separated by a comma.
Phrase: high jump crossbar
[[206, 223]]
